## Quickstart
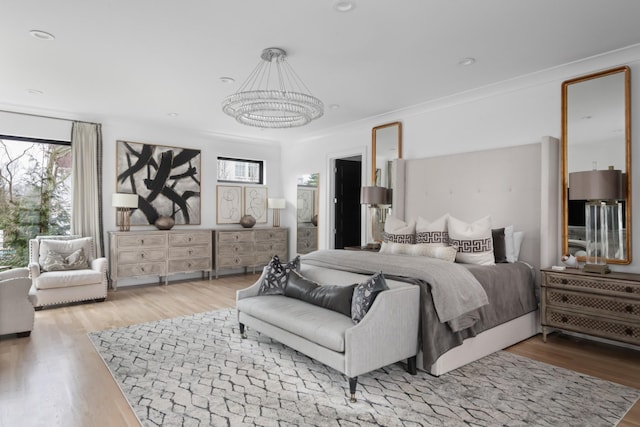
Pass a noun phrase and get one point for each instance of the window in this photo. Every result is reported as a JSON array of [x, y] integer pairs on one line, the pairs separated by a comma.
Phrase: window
[[35, 194], [240, 170]]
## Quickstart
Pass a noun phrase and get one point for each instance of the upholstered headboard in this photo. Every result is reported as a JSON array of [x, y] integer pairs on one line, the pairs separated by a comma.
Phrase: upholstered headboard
[[516, 186]]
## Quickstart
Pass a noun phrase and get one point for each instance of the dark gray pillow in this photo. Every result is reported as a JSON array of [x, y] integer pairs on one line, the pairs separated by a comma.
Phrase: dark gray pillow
[[331, 297], [365, 294], [275, 280], [499, 245]]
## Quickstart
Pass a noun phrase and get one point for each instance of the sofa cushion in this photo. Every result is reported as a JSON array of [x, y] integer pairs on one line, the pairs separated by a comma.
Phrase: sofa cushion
[[316, 324], [277, 275], [332, 297], [365, 294], [67, 278]]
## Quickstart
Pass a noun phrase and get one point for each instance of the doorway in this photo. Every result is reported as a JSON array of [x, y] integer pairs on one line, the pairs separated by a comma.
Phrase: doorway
[[347, 208]]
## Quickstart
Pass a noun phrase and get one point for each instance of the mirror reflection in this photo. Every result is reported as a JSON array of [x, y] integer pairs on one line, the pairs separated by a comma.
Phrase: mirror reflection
[[386, 146], [596, 138], [307, 213]]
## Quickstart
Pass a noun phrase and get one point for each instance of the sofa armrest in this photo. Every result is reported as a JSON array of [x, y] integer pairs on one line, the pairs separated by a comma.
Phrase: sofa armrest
[[34, 270], [387, 334], [252, 290], [99, 264]]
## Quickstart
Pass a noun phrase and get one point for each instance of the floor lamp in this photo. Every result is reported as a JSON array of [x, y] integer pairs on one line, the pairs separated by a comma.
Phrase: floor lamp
[[124, 203], [602, 190], [378, 199]]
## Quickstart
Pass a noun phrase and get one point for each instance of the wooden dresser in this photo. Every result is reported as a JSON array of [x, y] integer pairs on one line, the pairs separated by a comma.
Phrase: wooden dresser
[[249, 247], [159, 253], [602, 305], [307, 238]]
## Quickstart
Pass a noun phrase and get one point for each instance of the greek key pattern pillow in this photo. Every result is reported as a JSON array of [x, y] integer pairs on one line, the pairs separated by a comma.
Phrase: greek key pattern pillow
[[432, 237]]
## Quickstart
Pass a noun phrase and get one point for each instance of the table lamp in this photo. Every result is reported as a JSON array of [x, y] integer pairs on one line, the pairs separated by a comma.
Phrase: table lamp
[[124, 203]]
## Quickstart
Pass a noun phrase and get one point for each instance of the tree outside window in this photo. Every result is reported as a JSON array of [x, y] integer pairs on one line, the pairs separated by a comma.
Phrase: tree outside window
[[35, 194]]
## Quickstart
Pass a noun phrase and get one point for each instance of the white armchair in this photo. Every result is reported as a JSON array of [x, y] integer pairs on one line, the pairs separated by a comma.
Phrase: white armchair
[[16, 311], [65, 269]]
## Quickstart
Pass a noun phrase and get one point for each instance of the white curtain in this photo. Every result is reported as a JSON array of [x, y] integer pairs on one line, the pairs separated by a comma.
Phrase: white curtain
[[86, 216]]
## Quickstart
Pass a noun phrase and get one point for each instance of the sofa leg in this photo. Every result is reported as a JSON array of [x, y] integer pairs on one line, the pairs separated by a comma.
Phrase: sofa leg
[[411, 365], [353, 383], [23, 334], [37, 308], [243, 334]]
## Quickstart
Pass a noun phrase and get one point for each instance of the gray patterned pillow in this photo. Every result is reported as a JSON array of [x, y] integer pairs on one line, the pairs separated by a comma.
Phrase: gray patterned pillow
[[365, 294], [277, 275], [55, 261]]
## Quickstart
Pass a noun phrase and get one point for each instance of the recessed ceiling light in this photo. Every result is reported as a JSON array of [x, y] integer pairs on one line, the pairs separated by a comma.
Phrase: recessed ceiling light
[[172, 114], [343, 5], [41, 35], [227, 79], [334, 106], [465, 62], [35, 91]]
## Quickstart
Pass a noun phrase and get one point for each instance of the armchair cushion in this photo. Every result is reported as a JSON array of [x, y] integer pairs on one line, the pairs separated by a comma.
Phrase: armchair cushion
[[64, 248], [55, 261], [67, 278]]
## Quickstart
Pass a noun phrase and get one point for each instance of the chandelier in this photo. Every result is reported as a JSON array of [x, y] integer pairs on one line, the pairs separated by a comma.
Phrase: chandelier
[[273, 99]]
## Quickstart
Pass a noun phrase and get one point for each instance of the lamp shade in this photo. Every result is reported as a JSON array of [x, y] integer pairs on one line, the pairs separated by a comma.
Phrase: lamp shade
[[374, 196], [596, 185], [124, 200], [277, 203]]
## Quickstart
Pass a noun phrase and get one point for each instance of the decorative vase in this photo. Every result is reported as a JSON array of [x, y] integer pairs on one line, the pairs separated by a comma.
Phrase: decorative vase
[[314, 220], [164, 222], [247, 221]]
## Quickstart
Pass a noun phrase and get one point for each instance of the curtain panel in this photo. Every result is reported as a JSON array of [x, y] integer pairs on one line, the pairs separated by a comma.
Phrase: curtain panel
[[86, 216]]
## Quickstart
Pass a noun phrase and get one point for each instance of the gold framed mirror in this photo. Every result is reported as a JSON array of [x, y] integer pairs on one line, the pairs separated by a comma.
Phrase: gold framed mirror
[[386, 145], [596, 137]]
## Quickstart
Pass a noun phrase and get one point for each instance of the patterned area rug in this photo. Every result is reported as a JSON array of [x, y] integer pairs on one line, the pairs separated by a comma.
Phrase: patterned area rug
[[196, 371]]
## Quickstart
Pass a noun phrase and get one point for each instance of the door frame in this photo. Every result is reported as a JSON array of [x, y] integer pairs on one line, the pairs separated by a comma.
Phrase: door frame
[[330, 212]]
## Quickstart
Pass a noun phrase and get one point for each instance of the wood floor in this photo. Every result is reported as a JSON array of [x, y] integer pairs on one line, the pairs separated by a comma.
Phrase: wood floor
[[56, 378]]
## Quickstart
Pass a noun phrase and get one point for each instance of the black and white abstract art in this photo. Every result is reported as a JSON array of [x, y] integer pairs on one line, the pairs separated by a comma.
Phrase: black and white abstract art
[[166, 179]]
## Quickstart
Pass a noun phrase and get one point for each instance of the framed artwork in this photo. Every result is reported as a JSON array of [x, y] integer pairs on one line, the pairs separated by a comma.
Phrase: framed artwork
[[306, 197], [229, 204], [166, 179], [255, 203]]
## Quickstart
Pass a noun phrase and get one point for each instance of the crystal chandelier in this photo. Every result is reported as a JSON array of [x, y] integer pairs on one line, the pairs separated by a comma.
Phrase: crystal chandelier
[[274, 100]]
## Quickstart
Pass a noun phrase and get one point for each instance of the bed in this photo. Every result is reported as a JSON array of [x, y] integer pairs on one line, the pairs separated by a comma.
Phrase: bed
[[516, 186]]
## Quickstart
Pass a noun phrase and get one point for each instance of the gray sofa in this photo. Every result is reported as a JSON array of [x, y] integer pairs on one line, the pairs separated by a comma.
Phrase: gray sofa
[[387, 334]]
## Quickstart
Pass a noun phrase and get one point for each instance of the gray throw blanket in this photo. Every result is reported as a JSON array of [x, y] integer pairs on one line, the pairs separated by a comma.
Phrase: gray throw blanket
[[456, 293]]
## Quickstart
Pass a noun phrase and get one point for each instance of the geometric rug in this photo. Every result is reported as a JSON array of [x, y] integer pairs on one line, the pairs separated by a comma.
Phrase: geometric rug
[[196, 371]]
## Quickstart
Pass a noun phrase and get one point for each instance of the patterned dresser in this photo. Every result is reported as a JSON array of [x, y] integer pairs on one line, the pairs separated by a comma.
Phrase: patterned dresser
[[602, 305], [158, 253], [249, 247]]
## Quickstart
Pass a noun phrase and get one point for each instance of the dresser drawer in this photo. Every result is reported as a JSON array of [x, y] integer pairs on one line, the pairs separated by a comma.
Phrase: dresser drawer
[[141, 256], [268, 235], [610, 286], [137, 240], [235, 236], [177, 252], [232, 249], [307, 233], [235, 260], [192, 264], [593, 325], [272, 248], [593, 303], [182, 239], [142, 269]]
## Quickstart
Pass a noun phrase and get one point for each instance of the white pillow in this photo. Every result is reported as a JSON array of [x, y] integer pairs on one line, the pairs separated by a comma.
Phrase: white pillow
[[474, 241], [512, 243], [445, 253], [432, 233], [397, 231], [64, 247]]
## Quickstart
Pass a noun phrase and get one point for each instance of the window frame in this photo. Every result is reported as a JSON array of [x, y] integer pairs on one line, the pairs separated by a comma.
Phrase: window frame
[[260, 163]]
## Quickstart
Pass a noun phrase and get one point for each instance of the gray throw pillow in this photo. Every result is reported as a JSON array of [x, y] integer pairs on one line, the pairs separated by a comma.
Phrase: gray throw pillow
[[54, 261], [277, 275], [331, 297], [365, 294]]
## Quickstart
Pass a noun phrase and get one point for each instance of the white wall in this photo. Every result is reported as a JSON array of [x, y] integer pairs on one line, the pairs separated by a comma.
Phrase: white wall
[[515, 112]]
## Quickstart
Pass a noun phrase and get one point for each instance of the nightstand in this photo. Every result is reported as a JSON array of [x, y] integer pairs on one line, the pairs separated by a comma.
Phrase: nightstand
[[602, 305]]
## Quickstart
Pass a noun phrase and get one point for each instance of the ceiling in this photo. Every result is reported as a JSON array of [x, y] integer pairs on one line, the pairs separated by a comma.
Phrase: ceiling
[[142, 60]]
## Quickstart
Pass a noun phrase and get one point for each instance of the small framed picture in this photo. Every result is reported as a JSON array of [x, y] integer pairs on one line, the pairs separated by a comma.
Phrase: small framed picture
[[255, 203], [228, 204]]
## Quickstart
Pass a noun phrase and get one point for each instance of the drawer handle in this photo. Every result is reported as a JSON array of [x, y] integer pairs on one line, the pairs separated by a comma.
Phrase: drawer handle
[[628, 289], [189, 238], [189, 265], [564, 281], [190, 252], [564, 298], [142, 241], [629, 309], [142, 269], [628, 331], [141, 255], [564, 319]]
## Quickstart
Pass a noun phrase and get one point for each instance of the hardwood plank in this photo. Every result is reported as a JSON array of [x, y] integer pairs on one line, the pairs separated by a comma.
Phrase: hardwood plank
[[56, 378]]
